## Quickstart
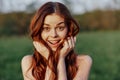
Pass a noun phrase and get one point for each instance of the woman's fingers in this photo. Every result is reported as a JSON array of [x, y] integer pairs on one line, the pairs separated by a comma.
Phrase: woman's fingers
[[68, 45], [75, 39], [71, 42], [41, 49]]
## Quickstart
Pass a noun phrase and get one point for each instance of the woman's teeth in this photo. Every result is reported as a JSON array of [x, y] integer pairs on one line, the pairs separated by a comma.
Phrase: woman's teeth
[[54, 42]]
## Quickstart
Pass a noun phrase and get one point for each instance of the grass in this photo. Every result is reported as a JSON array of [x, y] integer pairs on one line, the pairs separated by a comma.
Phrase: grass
[[12, 50], [103, 47]]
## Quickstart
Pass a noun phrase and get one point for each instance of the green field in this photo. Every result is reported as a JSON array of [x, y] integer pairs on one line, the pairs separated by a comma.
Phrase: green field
[[103, 47]]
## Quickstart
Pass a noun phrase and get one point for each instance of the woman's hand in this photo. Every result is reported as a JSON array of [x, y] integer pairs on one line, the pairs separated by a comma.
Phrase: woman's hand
[[41, 49], [68, 45]]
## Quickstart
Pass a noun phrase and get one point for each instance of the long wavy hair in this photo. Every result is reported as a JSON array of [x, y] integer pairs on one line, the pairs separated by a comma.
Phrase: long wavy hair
[[40, 63]]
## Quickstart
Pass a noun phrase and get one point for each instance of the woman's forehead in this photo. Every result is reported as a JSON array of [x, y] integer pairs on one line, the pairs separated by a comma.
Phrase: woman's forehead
[[54, 19]]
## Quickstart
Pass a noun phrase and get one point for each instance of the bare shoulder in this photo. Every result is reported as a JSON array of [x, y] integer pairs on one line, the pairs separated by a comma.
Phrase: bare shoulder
[[26, 63], [83, 63], [26, 60], [27, 57], [84, 59]]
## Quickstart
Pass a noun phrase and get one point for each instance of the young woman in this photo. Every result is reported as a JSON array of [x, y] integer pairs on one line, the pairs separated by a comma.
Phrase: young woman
[[54, 31]]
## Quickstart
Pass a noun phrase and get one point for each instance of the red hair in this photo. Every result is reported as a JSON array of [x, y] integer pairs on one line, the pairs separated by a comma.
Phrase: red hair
[[39, 63]]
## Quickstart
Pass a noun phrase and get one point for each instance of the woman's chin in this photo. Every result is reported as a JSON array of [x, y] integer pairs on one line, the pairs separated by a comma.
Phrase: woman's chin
[[54, 49]]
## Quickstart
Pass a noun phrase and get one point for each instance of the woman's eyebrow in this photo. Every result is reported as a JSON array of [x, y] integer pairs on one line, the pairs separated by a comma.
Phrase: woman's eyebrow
[[57, 24], [46, 24], [60, 23]]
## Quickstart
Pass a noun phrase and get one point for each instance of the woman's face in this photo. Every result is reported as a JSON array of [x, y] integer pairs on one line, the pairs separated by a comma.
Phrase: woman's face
[[54, 30]]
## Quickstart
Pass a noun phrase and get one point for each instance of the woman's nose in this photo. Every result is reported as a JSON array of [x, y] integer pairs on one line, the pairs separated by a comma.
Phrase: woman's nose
[[53, 33]]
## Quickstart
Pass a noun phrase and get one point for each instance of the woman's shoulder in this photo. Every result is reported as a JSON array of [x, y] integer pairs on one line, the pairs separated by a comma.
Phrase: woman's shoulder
[[26, 62], [83, 59], [26, 59]]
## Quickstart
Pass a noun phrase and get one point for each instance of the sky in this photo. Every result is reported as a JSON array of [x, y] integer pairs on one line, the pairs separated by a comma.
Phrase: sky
[[78, 6]]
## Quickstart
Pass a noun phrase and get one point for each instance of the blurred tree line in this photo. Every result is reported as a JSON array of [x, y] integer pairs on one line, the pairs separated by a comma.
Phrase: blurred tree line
[[14, 23], [18, 23], [99, 20]]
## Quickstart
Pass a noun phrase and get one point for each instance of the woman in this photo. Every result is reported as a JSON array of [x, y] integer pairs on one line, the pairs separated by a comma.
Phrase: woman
[[54, 31]]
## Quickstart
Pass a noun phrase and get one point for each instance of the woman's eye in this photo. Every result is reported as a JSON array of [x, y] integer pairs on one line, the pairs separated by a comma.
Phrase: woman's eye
[[46, 28], [61, 28]]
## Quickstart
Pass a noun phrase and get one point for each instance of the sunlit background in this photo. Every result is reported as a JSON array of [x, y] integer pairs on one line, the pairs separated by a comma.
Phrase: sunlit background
[[77, 6], [99, 35]]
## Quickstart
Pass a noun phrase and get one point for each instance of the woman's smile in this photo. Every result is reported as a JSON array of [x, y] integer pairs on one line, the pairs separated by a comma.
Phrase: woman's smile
[[54, 43]]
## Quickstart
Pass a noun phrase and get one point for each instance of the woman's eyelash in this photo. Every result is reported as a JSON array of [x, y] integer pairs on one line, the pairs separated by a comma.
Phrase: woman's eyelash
[[46, 28], [61, 27]]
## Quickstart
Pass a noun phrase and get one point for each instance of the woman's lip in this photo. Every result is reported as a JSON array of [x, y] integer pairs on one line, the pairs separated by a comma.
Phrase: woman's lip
[[54, 43]]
